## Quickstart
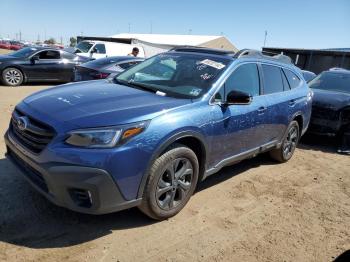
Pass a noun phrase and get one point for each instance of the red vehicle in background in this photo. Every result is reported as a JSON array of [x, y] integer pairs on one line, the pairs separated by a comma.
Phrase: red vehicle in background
[[15, 45], [11, 45], [4, 44]]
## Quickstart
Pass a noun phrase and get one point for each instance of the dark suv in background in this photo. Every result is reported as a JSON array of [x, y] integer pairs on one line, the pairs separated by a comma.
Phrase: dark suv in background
[[148, 137]]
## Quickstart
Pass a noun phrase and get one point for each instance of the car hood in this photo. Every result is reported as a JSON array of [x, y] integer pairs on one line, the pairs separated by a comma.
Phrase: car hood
[[100, 103], [330, 99], [7, 57]]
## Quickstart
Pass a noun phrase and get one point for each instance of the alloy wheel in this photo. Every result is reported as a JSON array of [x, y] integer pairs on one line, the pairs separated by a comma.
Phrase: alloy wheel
[[291, 141], [174, 183], [13, 77]]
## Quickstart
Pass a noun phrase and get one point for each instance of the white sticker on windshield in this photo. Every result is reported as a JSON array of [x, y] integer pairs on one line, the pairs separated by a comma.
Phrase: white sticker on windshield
[[195, 91], [212, 63], [160, 93]]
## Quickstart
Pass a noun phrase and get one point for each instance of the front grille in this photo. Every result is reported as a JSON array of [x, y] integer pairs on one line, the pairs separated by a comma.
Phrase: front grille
[[34, 135], [33, 175]]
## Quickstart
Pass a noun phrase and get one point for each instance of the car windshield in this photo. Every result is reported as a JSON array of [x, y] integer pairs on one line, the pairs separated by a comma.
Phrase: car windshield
[[332, 81], [184, 75], [24, 52], [83, 47]]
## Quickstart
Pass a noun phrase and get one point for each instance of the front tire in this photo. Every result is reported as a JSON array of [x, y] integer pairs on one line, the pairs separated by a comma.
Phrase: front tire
[[12, 77], [172, 180], [289, 144]]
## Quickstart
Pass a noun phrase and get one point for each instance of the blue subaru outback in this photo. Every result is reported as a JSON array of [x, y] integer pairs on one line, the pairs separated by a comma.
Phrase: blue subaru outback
[[147, 137]]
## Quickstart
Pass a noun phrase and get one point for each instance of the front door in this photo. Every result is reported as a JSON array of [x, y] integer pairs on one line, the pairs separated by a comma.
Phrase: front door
[[45, 66], [239, 128]]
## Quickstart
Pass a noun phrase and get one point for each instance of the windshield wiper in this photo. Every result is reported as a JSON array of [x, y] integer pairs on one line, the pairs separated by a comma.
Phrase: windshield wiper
[[133, 84]]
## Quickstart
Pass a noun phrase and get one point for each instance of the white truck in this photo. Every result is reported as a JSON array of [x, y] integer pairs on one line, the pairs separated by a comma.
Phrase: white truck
[[100, 49]]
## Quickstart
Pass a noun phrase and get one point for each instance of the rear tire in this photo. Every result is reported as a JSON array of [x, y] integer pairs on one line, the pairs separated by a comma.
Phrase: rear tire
[[289, 144], [172, 180], [12, 77]]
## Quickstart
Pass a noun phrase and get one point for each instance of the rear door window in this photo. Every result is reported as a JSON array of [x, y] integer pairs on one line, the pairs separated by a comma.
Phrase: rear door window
[[293, 79], [273, 82]]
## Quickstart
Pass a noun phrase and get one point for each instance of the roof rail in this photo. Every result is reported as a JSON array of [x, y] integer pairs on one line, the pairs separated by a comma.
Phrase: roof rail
[[337, 69], [264, 55], [200, 49]]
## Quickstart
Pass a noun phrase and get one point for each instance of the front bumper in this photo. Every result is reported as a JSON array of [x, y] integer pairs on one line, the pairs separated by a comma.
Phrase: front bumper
[[79, 188]]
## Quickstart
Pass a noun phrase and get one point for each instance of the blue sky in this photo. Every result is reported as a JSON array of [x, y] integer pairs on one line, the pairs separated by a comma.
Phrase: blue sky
[[290, 23]]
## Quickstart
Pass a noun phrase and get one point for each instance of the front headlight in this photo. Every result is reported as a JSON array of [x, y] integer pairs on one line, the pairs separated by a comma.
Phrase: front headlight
[[105, 137]]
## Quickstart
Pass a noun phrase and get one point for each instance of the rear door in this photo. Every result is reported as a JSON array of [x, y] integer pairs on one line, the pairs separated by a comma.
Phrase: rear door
[[277, 95]]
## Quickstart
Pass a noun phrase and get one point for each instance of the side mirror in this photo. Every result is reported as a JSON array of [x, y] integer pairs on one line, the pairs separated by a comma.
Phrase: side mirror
[[238, 98], [93, 50]]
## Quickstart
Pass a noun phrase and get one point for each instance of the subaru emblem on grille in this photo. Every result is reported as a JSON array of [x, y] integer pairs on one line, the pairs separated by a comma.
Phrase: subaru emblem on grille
[[22, 123]]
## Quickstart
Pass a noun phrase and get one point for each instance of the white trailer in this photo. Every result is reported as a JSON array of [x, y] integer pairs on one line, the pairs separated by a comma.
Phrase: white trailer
[[152, 44]]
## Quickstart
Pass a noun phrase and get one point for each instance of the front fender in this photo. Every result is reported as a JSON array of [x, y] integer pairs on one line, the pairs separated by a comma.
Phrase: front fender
[[165, 143]]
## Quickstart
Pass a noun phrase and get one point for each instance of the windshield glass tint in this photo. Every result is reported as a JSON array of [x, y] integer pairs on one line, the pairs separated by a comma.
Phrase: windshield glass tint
[[332, 81], [83, 47], [25, 52], [177, 74]]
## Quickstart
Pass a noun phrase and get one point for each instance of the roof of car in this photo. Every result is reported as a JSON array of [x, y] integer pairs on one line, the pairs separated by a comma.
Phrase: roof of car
[[39, 48], [206, 50], [338, 71]]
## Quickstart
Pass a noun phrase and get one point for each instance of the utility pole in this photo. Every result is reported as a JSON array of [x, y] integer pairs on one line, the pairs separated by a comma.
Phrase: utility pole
[[38, 38], [20, 35], [265, 38]]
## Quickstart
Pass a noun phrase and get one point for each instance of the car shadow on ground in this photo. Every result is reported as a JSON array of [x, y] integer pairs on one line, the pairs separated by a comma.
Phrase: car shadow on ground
[[319, 143], [28, 219]]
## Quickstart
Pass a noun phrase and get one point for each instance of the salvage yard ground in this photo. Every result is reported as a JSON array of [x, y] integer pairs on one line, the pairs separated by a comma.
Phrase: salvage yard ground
[[256, 210], [5, 51]]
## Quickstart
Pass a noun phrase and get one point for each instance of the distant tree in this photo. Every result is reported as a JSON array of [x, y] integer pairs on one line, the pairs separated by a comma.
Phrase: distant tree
[[73, 41], [50, 41]]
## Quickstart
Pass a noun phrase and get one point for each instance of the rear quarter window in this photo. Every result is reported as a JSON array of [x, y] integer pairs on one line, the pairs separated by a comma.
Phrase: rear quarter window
[[293, 80]]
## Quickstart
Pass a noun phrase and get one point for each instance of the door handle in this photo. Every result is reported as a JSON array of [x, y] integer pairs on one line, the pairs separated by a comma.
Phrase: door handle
[[292, 102], [262, 110]]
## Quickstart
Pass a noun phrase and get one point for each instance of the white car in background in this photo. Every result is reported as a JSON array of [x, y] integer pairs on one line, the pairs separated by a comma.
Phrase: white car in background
[[100, 49]]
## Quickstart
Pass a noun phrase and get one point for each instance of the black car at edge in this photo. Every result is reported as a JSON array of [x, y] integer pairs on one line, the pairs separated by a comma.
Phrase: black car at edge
[[331, 106], [38, 64]]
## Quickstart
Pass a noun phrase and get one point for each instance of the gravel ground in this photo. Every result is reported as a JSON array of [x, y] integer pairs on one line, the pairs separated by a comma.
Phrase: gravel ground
[[256, 210]]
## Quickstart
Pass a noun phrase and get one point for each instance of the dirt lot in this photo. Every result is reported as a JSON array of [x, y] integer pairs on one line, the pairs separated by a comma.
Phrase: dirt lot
[[254, 211], [4, 51]]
